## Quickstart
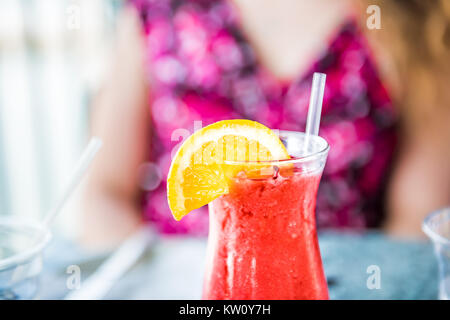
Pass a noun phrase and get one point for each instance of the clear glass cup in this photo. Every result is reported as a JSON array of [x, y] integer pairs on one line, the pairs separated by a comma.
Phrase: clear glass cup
[[21, 246], [262, 239], [437, 227]]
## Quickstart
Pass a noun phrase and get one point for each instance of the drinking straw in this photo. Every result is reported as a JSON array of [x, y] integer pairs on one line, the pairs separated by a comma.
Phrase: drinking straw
[[83, 163], [315, 109]]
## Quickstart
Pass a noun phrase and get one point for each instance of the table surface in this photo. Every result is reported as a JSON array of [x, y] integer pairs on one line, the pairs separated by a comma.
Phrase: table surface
[[172, 268]]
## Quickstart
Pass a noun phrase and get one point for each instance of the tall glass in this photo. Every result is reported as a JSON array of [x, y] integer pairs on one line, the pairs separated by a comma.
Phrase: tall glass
[[262, 235], [437, 227]]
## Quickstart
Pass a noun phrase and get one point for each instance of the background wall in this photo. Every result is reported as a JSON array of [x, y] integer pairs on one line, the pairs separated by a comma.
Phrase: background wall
[[52, 55]]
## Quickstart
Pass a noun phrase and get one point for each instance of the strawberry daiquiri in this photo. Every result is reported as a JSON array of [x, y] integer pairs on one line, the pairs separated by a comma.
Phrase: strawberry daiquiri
[[262, 238]]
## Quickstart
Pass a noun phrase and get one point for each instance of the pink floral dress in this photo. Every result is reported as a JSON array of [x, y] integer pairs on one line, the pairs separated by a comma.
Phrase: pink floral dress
[[203, 69]]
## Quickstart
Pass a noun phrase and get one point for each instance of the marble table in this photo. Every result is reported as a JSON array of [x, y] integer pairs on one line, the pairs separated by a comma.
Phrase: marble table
[[172, 268]]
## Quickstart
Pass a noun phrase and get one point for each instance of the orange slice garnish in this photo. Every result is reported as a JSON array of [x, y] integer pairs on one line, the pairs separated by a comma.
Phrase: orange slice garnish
[[201, 171]]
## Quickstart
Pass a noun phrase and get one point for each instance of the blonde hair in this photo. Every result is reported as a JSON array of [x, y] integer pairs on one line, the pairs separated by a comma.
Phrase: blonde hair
[[414, 55]]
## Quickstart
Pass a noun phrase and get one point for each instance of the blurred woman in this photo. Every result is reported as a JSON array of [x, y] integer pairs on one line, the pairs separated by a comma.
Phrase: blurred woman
[[185, 64]]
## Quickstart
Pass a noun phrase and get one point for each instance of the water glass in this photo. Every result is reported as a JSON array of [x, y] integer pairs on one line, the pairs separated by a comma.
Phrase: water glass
[[437, 227]]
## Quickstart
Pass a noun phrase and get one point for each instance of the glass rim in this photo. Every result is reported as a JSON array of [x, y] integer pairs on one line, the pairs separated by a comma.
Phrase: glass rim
[[309, 157], [29, 253], [430, 232]]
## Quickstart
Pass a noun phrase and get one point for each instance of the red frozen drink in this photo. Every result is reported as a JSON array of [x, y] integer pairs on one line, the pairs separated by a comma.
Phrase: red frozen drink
[[262, 238]]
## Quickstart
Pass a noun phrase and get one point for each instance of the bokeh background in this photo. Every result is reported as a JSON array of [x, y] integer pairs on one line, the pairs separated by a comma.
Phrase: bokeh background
[[54, 55]]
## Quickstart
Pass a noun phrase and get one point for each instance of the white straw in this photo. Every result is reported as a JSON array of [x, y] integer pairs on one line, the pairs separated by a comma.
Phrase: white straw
[[86, 159], [315, 108]]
